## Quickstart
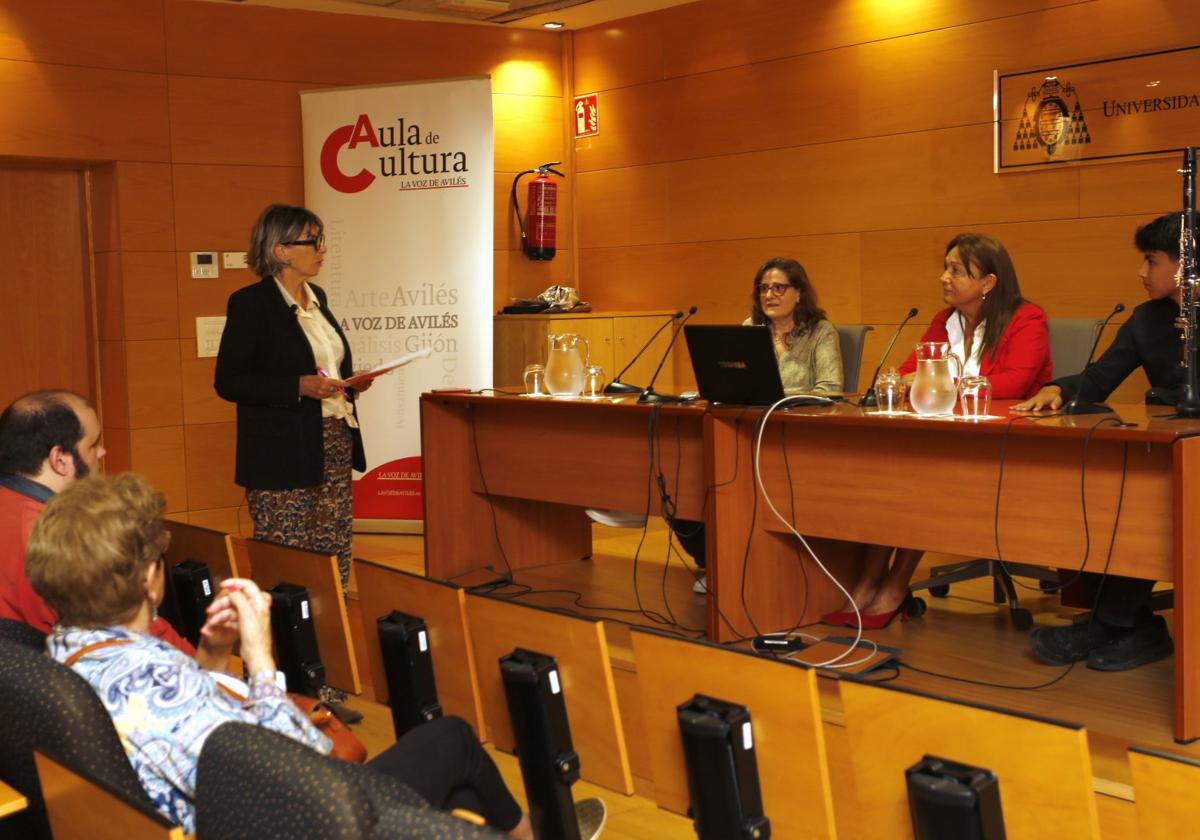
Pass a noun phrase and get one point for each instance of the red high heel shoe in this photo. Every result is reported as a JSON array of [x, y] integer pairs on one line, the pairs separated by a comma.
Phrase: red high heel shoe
[[878, 621]]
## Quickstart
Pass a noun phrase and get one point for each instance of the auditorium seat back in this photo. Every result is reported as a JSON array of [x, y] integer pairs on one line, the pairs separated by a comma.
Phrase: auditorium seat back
[[1164, 793], [851, 338], [254, 784], [47, 706], [22, 634]]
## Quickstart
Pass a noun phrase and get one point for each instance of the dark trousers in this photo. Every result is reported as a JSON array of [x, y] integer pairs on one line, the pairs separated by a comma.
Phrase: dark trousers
[[1119, 601], [443, 761], [690, 534]]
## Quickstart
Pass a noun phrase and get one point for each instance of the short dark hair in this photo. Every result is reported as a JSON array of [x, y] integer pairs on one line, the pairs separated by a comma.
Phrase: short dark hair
[[36, 423], [808, 312], [1160, 235], [277, 224]]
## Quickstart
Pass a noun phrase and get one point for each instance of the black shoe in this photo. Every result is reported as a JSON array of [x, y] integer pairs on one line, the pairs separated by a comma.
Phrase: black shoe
[[1146, 643], [1071, 643]]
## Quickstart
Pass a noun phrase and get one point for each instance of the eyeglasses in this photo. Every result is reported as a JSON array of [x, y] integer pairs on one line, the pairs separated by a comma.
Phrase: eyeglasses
[[317, 242], [775, 289]]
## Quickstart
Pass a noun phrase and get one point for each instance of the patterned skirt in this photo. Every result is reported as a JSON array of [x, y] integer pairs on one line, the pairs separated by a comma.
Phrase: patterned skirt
[[318, 518]]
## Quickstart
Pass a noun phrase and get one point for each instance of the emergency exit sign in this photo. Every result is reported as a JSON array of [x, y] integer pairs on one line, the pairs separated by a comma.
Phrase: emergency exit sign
[[587, 117]]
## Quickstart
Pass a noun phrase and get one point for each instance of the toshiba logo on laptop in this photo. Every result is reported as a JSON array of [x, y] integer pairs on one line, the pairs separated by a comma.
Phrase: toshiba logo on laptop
[[732, 364]]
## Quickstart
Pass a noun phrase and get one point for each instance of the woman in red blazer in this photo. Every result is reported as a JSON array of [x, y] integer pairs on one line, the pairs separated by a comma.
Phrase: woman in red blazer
[[997, 334]]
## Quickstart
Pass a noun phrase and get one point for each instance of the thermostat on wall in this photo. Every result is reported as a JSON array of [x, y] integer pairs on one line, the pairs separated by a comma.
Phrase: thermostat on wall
[[204, 264]]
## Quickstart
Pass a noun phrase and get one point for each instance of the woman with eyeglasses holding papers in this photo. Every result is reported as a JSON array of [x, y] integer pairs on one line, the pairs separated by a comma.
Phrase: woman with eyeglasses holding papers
[[284, 361]]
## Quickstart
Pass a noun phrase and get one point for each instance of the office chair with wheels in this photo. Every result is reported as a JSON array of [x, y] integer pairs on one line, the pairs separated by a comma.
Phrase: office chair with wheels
[[254, 784], [47, 706], [1070, 342]]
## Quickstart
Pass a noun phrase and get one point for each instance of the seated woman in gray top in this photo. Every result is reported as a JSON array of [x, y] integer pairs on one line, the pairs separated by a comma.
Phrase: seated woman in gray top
[[806, 347], [806, 344]]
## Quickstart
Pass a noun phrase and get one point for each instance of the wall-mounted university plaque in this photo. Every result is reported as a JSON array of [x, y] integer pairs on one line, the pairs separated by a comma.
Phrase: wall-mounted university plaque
[[1104, 110]]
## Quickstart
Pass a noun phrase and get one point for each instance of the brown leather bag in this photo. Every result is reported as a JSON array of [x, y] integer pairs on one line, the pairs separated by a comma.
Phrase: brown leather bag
[[346, 745]]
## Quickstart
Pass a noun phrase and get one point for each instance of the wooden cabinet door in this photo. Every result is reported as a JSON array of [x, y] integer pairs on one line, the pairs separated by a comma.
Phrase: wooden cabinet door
[[517, 342], [630, 333]]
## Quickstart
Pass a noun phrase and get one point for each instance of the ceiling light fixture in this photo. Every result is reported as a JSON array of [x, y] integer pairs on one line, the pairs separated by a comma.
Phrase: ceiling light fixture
[[553, 24]]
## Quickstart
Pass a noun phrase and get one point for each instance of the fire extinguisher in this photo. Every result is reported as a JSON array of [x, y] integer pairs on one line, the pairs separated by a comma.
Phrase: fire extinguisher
[[541, 207]]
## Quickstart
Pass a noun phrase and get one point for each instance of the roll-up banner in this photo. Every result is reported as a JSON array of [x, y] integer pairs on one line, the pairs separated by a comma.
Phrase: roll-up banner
[[402, 176]]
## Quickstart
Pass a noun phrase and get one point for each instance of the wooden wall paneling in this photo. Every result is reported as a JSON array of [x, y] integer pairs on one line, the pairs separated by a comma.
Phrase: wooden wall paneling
[[151, 297], [260, 43], [48, 286], [119, 456], [102, 182], [158, 454], [630, 206], [200, 401], [715, 34], [144, 206], [210, 458], [528, 132], [208, 297], [60, 108], [620, 53], [215, 206], [855, 89], [114, 384], [940, 177], [118, 36], [155, 391], [242, 121], [1143, 187], [110, 298], [717, 275]]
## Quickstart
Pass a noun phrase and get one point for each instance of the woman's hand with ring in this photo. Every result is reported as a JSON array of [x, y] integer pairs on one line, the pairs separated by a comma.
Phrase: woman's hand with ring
[[319, 387]]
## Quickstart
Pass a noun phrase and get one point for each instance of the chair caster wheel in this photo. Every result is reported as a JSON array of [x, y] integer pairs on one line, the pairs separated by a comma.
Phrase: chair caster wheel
[[940, 591], [916, 608], [1022, 619]]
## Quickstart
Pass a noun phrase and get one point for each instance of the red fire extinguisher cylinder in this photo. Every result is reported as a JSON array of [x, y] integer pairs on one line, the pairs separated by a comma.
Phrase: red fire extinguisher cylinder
[[541, 209]]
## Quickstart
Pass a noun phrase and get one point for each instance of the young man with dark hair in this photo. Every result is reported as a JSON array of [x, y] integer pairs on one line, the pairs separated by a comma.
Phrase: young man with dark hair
[[1122, 632]]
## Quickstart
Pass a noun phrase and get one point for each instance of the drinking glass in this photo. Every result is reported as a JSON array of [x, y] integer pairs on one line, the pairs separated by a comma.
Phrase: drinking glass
[[975, 397], [889, 391], [593, 382], [535, 380]]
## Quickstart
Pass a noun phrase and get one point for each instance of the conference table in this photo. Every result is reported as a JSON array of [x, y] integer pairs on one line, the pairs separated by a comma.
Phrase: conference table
[[506, 480]]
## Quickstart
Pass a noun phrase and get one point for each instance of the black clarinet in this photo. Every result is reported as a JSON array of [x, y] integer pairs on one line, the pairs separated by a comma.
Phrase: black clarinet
[[1189, 301]]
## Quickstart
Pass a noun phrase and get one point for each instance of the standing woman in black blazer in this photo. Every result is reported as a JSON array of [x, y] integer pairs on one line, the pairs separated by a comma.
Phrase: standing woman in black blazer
[[283, 360]]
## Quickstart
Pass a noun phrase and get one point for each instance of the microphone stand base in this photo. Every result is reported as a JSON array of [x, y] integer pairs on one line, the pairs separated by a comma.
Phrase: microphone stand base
[[653, 397], [618, 387], [868, 399], [1086, 408]]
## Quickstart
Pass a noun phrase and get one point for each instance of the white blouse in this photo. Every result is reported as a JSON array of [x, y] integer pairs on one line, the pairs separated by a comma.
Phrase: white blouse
[[327, 350], [954, 330]]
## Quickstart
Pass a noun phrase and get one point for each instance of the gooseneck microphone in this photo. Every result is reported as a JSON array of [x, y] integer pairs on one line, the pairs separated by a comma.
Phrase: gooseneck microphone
[[868, 399], [649, 395], [619, 387], [1075, 406]]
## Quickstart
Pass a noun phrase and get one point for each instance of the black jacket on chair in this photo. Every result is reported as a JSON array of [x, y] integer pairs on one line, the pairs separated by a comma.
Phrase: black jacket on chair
[[263, 354]]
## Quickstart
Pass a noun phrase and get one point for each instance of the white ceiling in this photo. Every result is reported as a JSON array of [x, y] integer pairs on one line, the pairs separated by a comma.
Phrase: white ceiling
[[575, 14]]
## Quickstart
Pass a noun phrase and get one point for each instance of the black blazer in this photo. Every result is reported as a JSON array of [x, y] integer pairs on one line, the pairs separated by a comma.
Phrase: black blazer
[[263, 354]]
